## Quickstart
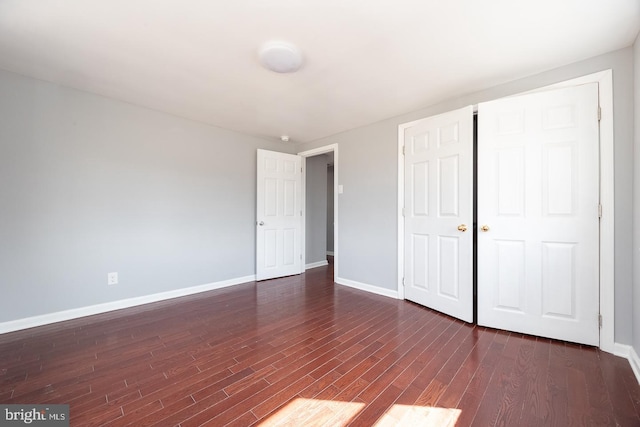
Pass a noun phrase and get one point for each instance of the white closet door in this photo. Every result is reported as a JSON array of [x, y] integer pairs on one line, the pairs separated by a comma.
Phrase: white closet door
[[278, 217], [538, 222], [439, 213]]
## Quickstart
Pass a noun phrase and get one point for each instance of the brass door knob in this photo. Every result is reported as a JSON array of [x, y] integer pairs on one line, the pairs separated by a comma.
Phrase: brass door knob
[[484, 228], [462, 227]]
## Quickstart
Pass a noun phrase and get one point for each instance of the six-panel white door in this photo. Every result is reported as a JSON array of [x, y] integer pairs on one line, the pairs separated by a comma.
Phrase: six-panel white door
[[538, 200], [278, 217], [439, 213]]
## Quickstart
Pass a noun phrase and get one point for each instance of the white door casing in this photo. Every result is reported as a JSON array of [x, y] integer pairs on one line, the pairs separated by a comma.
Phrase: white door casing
[[278, 216], [438, 214], [538, 196], [332, 148]]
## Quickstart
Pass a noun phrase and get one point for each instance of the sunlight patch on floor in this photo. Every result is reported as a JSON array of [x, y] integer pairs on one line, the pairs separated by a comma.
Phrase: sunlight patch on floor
[[428, 416], [316, 412]]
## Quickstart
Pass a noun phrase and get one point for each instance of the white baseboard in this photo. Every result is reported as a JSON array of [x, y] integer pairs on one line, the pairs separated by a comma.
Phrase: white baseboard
[[621, 350], [630, 354], [368, 288], [316, 264], [60, 316], [634, 361], [330, 253]]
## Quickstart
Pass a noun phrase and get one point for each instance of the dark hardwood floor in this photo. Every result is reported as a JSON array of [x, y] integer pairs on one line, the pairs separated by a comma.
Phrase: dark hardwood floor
[[301, 351]]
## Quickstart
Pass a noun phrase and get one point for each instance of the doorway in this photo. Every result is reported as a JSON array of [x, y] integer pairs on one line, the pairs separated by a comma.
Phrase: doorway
[[320, 159], [317, 215], [605, 274]]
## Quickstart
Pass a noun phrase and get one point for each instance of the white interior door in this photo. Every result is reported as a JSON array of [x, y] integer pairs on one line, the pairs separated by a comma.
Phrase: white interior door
[[278, 217], [538, 204], [439, 213]]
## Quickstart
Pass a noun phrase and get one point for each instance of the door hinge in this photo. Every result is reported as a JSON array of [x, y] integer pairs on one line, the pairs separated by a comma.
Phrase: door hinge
[[300, 213], [599, 113], [403, 281], [403, 149], [599, 210], [600, 321], [402, 211]]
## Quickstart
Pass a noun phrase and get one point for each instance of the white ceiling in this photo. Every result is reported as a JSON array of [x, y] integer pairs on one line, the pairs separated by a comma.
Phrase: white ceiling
[[365, 60]]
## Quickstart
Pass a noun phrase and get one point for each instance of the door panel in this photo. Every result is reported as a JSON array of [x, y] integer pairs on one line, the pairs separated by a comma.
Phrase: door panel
[[439, 199], [278, 219], [538, 194]]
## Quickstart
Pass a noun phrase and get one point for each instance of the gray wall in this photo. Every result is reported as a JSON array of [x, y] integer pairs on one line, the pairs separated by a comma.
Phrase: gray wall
[[330, 211], [316, 209], [636, 198], [90, 185], [369, 173]]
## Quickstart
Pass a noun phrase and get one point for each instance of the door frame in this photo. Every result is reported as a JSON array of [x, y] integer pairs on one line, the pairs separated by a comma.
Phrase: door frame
[[310, 153], [607, 247]]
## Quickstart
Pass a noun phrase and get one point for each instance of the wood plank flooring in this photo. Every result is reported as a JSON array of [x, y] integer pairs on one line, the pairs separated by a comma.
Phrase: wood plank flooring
[[301, 351]]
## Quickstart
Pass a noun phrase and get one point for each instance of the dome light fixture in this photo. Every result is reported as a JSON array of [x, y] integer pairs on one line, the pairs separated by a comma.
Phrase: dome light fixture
[[284, 138], [281, 57]]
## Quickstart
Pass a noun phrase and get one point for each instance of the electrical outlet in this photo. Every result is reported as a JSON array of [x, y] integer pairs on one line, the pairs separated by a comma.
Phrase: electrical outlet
[[112, 279]]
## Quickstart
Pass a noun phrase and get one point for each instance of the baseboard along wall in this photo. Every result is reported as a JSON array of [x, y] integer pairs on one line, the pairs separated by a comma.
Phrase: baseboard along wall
[[60, 316], [316, 264]]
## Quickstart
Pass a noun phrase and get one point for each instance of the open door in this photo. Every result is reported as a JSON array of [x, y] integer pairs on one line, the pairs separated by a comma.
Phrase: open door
[[279, 215], [439, 213], [538, 204]]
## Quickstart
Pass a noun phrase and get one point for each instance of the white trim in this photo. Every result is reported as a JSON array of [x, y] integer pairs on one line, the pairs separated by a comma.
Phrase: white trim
[[621, 350], [60, 316], [367, 288], [634, 361], [330, 253], [607, 223], [310, 153], [629, 353], [400, 238], [316, 264], [607, 244], [303, 219]]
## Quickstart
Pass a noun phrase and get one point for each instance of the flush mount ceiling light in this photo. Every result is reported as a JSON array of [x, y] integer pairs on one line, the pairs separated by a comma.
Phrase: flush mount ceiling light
[[281, 57]]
